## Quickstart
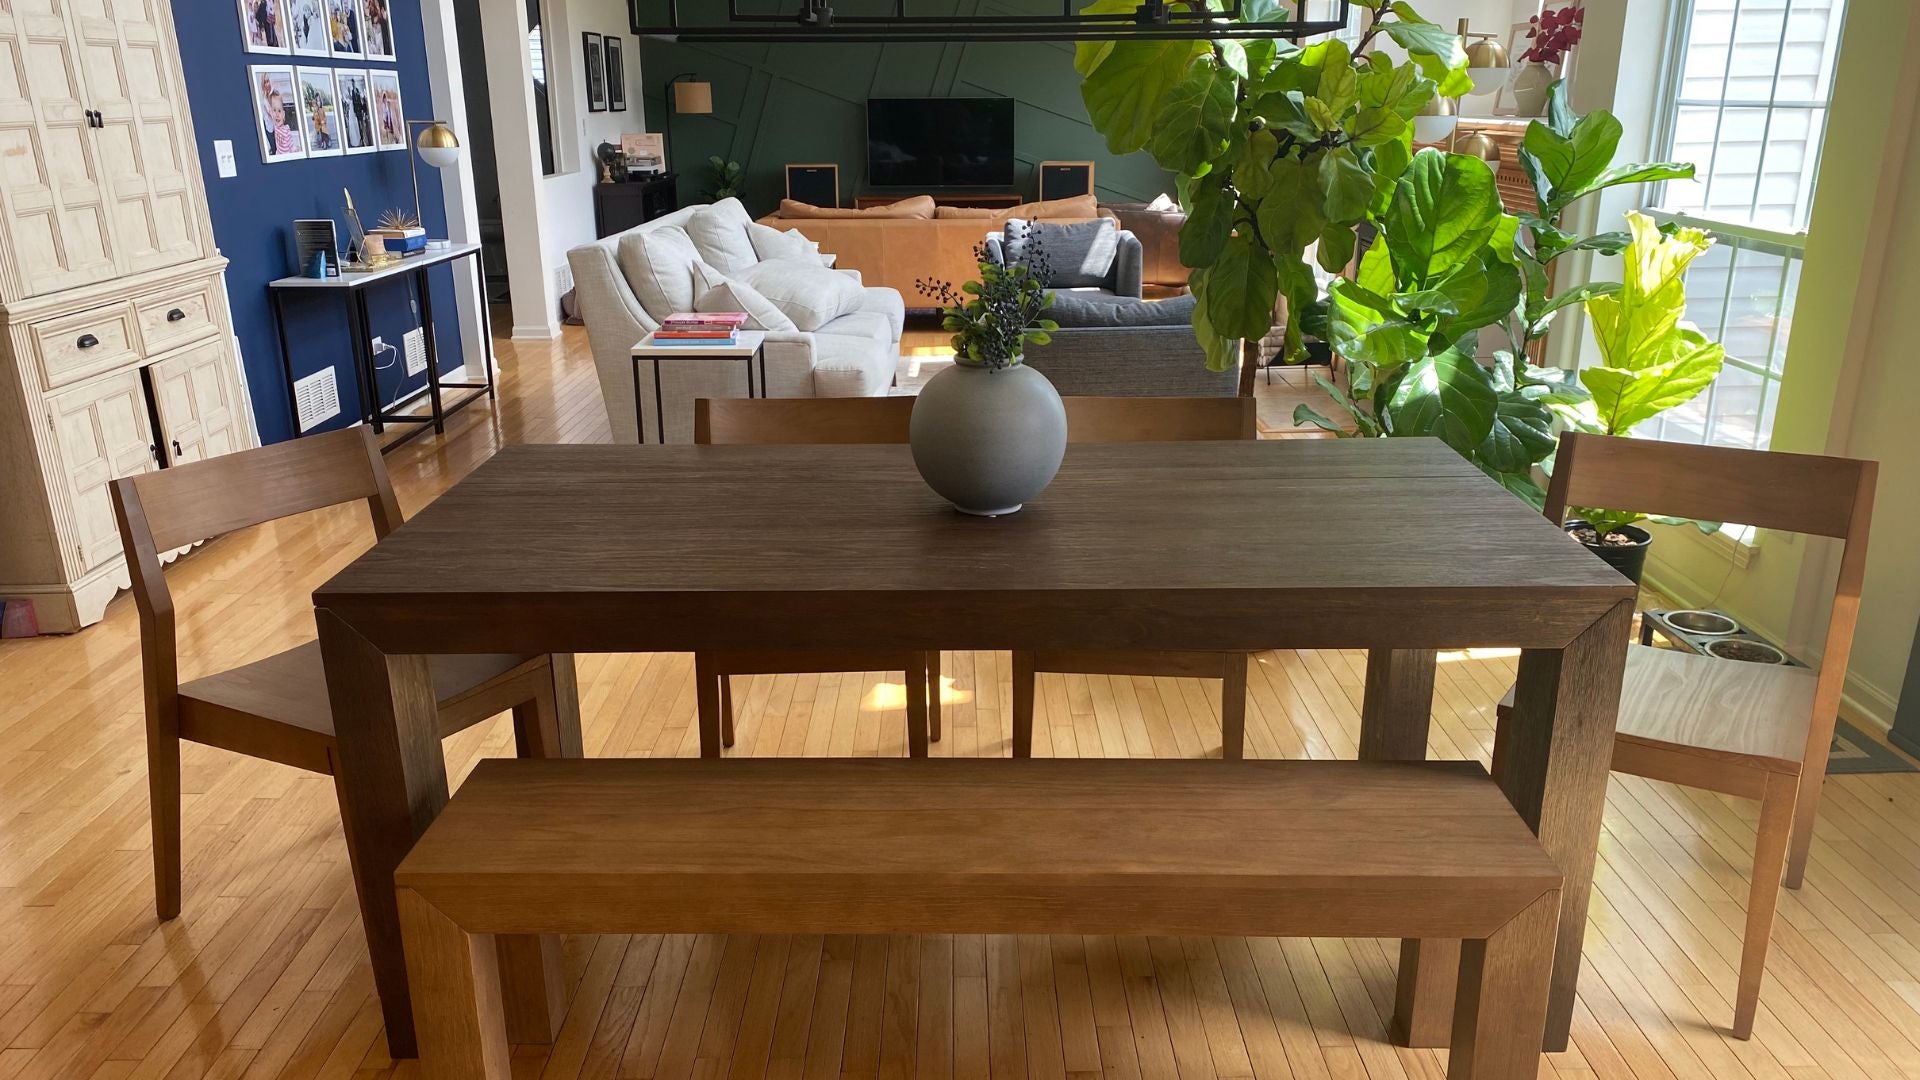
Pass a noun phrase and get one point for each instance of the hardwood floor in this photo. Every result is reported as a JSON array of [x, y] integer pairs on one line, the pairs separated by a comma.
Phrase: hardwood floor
[[265, 974]]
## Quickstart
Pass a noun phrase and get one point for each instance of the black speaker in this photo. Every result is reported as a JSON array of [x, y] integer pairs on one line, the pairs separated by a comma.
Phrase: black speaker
[[1065, 179], [815, 185]]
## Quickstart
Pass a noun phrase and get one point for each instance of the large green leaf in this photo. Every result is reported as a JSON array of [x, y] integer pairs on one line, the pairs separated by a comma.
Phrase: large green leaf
[[1521, 435], [1365, 327], [1336, 248], [1376, 270], [1124, 91], [1222, 352], [1448, 396], [1209, 223], [1241, 289], [1346, 185], [1485, 291], [1290, 217], [1624, 399], [1437, 51], [1250, 176], [1633, 326], [1571, 163], [1445, 207], [1192, 123], [1540, 309]]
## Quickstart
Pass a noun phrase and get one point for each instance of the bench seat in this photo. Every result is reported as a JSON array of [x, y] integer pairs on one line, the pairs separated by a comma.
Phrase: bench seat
[[1283, 848]]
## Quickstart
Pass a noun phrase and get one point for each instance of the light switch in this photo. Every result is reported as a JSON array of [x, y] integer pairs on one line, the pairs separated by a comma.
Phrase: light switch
[[223, 157]]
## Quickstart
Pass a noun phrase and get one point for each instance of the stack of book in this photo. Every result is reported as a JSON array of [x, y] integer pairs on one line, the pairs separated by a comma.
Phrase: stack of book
[[708, 328]]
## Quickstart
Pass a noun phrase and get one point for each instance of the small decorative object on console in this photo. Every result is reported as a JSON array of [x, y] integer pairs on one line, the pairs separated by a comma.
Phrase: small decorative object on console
[[989, 433]]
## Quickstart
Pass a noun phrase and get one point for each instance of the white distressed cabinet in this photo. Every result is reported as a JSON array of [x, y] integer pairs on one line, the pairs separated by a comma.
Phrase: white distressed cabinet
[[116, 351]]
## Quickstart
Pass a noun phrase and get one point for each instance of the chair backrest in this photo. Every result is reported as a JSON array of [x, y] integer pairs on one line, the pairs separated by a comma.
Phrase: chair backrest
[[764, 421], [1801, 493], [160, 511]]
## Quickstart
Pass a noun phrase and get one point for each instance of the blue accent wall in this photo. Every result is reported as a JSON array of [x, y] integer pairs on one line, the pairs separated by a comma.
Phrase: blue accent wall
[[253, 215]]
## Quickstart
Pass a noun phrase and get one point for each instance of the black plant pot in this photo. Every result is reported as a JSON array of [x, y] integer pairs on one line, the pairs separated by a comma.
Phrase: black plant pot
[[1629, 559]]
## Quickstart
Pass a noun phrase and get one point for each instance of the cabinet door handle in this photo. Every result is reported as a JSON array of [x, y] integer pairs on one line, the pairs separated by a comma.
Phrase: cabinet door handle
[[87, 341], [176, 450], [176, 315]]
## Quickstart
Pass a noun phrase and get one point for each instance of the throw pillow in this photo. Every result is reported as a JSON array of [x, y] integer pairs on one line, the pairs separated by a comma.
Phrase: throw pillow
[[658, 264], [771, 243], [721, 293], [806, 292], [719, 233], [1071, 309], [920, 206], [1080, 255], [1079, 206]]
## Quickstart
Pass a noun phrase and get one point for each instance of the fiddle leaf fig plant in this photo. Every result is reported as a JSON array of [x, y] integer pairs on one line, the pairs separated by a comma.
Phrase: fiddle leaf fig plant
[[1278, 149]]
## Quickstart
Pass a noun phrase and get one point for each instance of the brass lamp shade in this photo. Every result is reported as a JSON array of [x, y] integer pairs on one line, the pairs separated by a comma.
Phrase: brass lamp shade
[[693, 98], [1487, 53], [1436, 120], [1487, 62], [1476, 144], [438, 145]]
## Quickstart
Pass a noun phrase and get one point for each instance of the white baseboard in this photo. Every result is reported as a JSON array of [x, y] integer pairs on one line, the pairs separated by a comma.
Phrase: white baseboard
[[536, 332]]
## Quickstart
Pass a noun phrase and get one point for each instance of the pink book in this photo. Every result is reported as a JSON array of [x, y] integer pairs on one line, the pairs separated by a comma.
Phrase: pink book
[[705, 320]]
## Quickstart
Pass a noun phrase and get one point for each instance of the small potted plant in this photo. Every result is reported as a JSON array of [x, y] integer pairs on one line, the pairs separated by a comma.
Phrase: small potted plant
[[989, 432], [1651, 361], [1551, 37], [725, 178]]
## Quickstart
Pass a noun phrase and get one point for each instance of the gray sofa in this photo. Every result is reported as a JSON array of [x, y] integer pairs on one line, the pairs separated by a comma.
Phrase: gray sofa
[[1130, 361], [1123, 277]]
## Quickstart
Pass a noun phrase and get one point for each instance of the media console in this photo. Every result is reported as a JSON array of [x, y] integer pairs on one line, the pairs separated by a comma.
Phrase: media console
[[997, 200]]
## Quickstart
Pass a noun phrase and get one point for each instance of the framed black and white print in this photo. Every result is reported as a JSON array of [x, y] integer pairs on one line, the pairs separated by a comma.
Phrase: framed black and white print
[[616, 75], [593, 54]]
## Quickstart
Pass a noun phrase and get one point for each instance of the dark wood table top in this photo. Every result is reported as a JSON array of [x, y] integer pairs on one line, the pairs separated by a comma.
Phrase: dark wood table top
[[1340, 543]]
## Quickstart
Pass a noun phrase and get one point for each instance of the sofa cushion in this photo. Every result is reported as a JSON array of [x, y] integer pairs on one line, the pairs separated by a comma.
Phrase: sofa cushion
[[870, 325], [887, 303], [719, 234], [845, 365], [1071, 309], [658, 264], [721, 293], [1079, 206], [1078, 254], [771, 243], [919, 206], [810, 294]]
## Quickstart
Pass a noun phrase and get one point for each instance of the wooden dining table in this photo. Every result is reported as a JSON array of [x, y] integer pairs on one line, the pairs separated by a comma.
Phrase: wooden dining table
[[1395, 546]]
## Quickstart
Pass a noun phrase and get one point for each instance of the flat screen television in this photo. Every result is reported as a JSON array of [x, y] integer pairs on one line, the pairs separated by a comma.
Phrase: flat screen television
[[940, 142]]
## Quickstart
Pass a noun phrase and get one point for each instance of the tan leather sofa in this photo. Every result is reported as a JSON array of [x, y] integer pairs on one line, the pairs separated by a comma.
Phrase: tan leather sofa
[[903, 243]]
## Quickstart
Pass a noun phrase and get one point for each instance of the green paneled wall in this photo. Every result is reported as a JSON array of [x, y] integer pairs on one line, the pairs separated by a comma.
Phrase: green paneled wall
[[775, 104]]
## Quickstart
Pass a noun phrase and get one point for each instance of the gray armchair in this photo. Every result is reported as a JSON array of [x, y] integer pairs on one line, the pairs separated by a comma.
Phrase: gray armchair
[[1130, 361], [1123, 276]]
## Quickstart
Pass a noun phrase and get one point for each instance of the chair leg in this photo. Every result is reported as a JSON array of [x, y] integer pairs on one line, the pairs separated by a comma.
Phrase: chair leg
[[1763, 897], [1813, 776], [1022, 704], [916, 674], [534, 996], [706, 691], [933, 695], [163, 797], [1233, 707], [1500, 1015], [726, 711]]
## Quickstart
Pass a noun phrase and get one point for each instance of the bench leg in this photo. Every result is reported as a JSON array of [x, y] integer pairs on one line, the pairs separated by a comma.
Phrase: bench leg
[[456, 995], [533, 976], [1233, 707], [1501, 1017], [1023, 704], [706, 691], [916, 677], [933, 695]]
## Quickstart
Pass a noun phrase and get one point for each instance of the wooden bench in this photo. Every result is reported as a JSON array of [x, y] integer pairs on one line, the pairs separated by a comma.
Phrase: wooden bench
[[1268, 848]]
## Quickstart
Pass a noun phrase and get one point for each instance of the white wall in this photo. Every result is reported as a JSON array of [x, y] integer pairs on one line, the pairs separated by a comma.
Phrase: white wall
[[567, 196]]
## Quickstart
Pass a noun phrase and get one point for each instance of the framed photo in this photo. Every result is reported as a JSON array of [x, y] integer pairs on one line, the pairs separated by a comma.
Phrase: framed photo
[[344, 31], [356, 111], [389, 118], [319, 111], [307, 28], [276, 111], [264, 26], [616, 75], [593, 54], [376, 30]]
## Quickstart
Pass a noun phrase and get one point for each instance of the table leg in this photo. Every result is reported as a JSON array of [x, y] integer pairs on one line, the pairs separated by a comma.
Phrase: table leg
[[425, 286], [392, 782], [1394, 720], [1556, 751], [286, 358]]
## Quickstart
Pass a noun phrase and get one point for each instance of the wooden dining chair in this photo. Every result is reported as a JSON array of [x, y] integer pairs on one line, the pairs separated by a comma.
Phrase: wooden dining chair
[[277, 708], [796, 421], [1757, 731], [1127, 419]]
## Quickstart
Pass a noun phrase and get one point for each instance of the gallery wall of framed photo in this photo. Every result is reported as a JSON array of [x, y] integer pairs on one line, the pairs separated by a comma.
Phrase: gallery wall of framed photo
[[308, 105], [331, 83]]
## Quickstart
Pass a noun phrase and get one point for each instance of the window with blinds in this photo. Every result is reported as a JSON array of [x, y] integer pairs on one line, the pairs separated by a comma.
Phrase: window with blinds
[[1747, 93]]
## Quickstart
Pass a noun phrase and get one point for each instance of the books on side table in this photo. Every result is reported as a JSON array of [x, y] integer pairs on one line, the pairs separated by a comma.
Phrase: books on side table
[[706, 328]]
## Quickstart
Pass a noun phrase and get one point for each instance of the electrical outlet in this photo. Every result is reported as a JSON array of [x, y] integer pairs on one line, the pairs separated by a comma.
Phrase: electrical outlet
[[316, 398], [379, 344], [416, 345]]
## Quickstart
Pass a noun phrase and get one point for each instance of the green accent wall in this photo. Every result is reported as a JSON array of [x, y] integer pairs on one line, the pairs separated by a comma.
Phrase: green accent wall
[[802, 102]]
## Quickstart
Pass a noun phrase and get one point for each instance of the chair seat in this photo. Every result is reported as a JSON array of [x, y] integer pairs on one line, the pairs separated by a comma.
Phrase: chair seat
[[1686, 700], [277, 707]]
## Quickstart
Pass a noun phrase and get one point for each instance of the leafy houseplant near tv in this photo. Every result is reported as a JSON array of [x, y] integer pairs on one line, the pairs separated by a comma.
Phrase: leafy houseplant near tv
[[989, 433]]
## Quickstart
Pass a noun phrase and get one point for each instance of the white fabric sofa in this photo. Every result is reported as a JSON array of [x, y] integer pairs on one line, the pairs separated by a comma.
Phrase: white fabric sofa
[[626, 283]]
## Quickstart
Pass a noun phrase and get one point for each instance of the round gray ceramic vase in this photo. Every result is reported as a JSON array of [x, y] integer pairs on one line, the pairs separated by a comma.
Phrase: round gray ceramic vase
[[988, 439]]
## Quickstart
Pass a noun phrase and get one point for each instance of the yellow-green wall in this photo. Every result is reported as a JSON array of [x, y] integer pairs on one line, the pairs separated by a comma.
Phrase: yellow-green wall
[[1852, 376]]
